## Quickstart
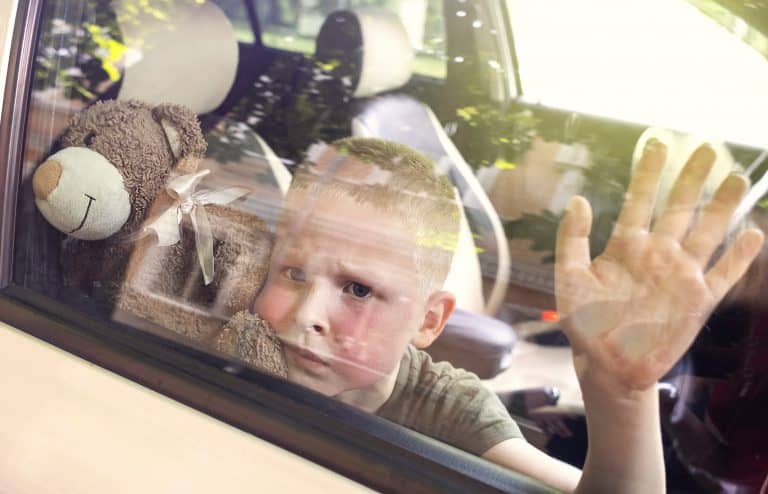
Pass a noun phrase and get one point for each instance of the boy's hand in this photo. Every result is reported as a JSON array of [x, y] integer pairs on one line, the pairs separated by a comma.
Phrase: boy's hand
[[632, 312]]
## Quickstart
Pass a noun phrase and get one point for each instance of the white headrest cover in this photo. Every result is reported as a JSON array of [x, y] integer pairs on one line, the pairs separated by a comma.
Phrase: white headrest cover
[[190, 58], [386, 51]]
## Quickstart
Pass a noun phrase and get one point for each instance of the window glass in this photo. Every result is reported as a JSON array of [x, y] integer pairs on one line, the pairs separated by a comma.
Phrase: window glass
[[187, 185], [606, 50], [87, 54], [734, 23], [294, 25], [238, 15]]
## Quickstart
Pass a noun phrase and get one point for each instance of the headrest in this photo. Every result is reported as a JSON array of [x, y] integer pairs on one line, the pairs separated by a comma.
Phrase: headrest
[[368, 49], [187, 56]]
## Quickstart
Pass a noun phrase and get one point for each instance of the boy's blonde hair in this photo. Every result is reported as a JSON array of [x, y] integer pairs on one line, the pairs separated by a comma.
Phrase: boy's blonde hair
[[398, 181]]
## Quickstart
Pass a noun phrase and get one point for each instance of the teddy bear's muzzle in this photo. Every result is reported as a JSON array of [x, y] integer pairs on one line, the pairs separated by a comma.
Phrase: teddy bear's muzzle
[[46, 179], [81, 193]]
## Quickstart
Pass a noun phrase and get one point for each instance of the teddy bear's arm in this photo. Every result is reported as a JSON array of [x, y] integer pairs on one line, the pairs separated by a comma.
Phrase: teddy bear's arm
[[242, 260]]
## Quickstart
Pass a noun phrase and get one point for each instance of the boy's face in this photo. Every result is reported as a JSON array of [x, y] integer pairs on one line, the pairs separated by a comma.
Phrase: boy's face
[[342, 293]]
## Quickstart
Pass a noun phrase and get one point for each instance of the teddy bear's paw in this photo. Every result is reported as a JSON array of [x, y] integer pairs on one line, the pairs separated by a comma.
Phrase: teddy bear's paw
[[249, 338]]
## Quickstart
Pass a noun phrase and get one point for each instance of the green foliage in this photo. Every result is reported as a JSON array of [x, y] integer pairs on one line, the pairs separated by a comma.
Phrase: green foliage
[[72, 50], [82, 50], [540, 228], [491, 135], [494, 136], [743, 22], [296, 102]]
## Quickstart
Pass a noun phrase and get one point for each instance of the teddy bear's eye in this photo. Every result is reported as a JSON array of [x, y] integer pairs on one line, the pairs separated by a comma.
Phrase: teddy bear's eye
[[88, 139]]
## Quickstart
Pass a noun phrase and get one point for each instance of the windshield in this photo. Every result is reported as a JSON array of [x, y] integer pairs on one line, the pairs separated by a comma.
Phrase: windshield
[[660, 62]]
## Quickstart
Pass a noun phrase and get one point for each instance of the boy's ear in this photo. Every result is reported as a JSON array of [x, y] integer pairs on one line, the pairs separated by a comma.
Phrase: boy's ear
[[440, 306]]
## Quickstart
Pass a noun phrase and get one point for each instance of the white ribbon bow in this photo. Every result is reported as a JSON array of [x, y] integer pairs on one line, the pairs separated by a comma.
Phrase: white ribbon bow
[[190, 203]]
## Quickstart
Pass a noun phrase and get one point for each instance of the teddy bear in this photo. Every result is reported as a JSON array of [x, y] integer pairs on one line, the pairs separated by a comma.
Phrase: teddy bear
[[140, 238]]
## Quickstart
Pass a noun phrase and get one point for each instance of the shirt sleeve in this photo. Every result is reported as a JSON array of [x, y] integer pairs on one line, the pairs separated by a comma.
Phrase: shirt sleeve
[[475, 419]]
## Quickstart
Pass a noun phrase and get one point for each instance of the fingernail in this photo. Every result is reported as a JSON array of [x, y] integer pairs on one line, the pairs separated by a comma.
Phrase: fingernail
[[754, 241], [736, 183], [654, 144], [571, 205], [706, 151]]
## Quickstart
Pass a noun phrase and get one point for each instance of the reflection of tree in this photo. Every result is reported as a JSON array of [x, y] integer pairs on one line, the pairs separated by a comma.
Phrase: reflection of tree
[[74, 50], [489, 135], [434, 28], [234, 143], [82, 49], [296, 102]]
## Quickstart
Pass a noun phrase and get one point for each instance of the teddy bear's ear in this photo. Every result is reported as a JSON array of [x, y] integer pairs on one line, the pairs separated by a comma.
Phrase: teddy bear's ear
[[182, 131]]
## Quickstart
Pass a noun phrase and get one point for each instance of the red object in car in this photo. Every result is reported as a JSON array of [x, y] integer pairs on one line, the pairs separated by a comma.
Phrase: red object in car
[[550, 316]]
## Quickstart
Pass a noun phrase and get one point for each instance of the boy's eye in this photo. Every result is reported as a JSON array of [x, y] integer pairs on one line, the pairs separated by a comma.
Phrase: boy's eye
[[294, 274], [358, 289]]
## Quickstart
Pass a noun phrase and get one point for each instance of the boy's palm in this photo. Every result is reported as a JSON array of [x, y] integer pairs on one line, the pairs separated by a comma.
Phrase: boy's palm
[[633, 311]]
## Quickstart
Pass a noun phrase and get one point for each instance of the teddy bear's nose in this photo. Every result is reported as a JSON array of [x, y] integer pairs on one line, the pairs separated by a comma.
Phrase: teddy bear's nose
[[46, 178]]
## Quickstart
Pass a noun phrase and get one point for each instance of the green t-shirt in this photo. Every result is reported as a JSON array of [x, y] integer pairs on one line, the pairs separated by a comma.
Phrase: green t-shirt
[[446, 403]]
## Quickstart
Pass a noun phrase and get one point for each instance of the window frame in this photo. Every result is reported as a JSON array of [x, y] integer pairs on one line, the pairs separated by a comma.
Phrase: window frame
[[18, 80], [322, 430]]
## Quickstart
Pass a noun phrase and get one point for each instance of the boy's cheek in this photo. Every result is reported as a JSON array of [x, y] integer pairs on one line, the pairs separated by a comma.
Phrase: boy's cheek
[[352, 330], [274, 304], [364, 326]]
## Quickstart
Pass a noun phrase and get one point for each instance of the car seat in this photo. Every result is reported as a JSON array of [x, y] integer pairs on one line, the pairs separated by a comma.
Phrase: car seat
[[157, 67]]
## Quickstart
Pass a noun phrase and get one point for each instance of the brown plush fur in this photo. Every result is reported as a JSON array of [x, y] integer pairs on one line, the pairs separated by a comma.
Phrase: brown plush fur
[[171, 274], [249, 338], [130, 136], [162, 284]]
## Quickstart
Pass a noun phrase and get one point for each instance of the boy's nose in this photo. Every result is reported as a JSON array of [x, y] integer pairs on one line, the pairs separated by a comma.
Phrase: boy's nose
[[311, 314]]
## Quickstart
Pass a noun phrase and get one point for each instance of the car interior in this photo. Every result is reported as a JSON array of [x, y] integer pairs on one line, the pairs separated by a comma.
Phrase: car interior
[[371, 104]]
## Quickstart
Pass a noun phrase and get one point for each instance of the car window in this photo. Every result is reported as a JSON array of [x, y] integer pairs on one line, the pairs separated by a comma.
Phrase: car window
[[271, 208], [238, 14], [590, 55], [293, 26], [180, 243]]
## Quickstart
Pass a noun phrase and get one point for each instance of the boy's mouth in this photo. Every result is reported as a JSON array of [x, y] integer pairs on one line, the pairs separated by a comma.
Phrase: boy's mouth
[[306, 358]]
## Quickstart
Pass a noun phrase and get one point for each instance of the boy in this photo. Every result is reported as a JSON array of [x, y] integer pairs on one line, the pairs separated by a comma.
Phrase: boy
[[354, 289]]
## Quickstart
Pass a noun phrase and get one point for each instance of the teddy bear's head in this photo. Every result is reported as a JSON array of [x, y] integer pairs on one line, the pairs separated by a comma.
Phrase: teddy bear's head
[[115, 157]]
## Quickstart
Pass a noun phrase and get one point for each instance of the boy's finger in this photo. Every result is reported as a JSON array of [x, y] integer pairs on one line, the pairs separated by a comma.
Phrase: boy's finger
[[734, 263], [573, 234], [713, 222], [641, 193], [684, 197]]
